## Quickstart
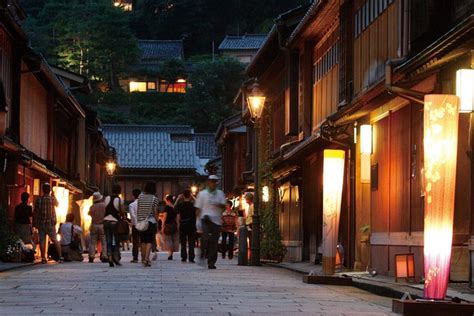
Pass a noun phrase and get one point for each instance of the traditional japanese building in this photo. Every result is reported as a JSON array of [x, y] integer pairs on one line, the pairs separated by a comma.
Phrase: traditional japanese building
[[46, 135], [173, 156], [243, 48], [341, 65], [145, 76]]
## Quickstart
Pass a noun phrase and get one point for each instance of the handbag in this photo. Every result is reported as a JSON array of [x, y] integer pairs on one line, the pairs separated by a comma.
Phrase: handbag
[[142, 226], [122, 227]]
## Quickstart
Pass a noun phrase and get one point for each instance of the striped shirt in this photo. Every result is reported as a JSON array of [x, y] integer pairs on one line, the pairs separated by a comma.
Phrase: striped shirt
[[44, 214], [147, 205]]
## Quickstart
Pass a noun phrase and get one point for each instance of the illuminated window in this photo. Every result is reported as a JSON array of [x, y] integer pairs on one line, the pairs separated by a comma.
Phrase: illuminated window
[[138, 86], [178, 87], [151, 85], [125, 5]]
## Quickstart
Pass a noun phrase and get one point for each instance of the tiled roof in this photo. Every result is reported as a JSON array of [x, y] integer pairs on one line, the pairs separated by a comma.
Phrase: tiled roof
[[248, 41], [159, 50], [205, 145], [153, 146]]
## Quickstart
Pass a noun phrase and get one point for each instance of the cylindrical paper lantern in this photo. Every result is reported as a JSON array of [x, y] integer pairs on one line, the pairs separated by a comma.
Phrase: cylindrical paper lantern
[[440, 147], [333, 178]]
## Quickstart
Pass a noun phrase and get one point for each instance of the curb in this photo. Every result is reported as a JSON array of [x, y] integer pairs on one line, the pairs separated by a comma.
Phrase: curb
[[377, 289], [6, 269]]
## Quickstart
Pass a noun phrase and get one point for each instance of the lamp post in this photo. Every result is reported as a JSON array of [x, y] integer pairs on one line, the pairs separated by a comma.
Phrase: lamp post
[[110, 167], [256, 101]]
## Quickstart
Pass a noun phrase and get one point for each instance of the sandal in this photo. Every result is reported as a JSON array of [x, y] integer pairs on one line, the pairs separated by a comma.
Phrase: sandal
[[43, 261]]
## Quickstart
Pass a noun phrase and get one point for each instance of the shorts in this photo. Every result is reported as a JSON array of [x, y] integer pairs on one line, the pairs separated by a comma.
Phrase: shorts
[[50, 231], [149, 235]]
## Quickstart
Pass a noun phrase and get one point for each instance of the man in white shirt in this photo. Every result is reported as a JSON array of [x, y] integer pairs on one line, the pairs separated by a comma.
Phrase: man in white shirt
[[210, 204], [72, 251], [132, 209]]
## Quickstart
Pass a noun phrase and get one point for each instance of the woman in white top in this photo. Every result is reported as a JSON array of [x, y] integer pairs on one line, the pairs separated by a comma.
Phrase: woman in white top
[[147, 211], [113, 212]]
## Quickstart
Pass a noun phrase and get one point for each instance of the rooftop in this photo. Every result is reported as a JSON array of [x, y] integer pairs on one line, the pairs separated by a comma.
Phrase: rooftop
[[245, 42], [153, 146], [160, 50], [205, 145]]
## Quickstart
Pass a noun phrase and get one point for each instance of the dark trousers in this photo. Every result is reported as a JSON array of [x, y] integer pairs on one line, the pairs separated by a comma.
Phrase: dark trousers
[[135, 243], [113, 241], [228, 247], [210, 241], [187, 238]]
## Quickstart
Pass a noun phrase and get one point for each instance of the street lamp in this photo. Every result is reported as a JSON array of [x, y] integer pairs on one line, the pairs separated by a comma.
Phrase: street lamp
[[256, 101], [110, 167]]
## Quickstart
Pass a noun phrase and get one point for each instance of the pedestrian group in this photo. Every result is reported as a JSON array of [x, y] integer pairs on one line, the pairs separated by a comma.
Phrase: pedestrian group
[[169, 225]]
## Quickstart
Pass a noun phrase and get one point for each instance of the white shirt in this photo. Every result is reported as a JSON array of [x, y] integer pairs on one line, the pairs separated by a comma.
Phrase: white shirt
[[211, 204], [65, 232], [132, 209]]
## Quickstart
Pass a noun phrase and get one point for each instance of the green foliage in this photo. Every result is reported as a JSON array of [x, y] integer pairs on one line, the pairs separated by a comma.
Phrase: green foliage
[[92, 37], [272, 247], [200, 22], [8, 240], [214, 86]]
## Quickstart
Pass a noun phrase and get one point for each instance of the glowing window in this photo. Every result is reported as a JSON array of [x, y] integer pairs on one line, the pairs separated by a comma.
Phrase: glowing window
[[151, 85], [138, 86]]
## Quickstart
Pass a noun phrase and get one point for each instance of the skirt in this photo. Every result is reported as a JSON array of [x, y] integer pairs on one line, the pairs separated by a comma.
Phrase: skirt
[[168, 242]]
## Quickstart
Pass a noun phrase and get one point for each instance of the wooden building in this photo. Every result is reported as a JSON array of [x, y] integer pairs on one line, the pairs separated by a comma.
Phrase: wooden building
[[144, 76], [243, 48], [343, 64], [46, 135], [232, 138], [173, 156]]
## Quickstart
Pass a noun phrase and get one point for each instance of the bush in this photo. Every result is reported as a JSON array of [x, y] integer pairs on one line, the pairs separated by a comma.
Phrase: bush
[[271, 246], [10, 244]]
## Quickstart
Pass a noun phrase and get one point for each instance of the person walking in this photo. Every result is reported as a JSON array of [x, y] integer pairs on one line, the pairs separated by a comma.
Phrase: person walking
[[229, 227], [71, 240], [249, 217], [186, 216], [44, 219], [147, 210], [113, 213], [132, 209], [210, 204], [97, 213], [23, 215], [170, 228]]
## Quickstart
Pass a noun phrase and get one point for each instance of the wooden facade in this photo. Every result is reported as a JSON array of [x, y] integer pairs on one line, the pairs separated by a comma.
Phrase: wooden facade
[[45, 128], [341, 50]]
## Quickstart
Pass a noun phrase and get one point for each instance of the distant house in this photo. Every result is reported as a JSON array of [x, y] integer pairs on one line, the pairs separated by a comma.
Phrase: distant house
[[145, 75], [243, 48], [173, 156], [126, 5]]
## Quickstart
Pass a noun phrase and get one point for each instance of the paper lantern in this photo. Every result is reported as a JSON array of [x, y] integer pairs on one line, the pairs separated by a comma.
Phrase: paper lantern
[[333, 178], [405, 266], [465, 89], [440, 148], [365, 152]]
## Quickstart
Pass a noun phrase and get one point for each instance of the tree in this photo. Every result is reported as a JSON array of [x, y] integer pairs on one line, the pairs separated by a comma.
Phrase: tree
[[91, 37], [214, 84]]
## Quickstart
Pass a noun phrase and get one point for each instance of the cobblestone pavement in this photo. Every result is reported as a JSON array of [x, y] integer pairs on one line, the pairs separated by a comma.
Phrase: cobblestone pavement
[[173, 287]]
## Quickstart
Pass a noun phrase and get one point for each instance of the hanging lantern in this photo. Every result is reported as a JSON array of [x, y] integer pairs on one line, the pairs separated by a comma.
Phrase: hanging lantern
[[465, 89], [333, 178], [440, 149]]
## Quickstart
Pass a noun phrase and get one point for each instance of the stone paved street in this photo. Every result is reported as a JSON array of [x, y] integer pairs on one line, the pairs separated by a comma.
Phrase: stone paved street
[[172, 287]]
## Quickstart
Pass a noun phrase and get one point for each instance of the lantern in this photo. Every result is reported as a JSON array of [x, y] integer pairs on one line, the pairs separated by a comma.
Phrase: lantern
[[265, 194], [405, 266], [333, 178], [365, 152], [440, 149], [256, 101], [465, 89], [110, 167]]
